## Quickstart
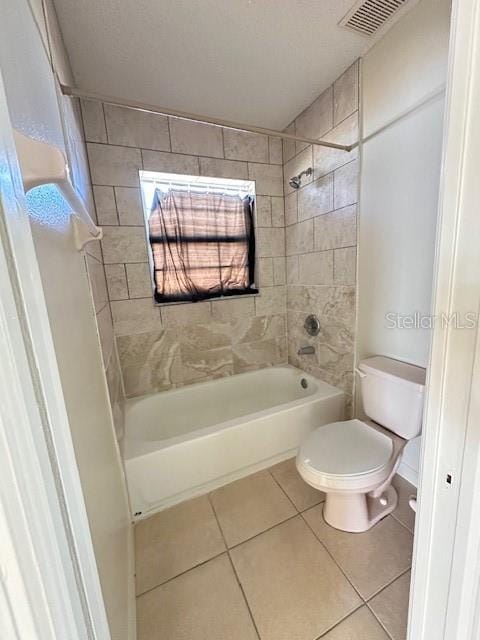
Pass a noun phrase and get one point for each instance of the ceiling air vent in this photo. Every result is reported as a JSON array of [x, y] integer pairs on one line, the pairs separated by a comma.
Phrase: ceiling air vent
[[370, 16]]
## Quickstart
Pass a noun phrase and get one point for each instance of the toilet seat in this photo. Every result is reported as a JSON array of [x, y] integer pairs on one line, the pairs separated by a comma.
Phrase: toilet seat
[[347, 456]]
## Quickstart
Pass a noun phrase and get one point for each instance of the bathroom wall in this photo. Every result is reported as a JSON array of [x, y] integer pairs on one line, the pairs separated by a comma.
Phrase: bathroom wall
[[161, 347], [36, 109], [321, 234], [401, 161]]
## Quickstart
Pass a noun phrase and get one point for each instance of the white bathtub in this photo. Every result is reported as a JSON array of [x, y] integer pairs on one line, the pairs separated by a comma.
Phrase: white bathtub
[[188, 441]]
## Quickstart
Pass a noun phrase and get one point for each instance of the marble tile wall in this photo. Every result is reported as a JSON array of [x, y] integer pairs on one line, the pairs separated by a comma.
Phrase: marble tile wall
[[321, 233], [160, 347]]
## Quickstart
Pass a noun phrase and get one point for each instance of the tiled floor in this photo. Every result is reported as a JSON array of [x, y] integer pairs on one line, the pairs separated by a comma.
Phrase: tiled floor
[[255, 560]]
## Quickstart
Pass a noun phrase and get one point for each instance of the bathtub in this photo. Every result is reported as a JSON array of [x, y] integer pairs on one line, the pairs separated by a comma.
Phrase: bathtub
[[188, 441]]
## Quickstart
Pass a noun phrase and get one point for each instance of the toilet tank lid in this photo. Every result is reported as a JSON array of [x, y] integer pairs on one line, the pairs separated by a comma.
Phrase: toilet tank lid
[[394, 369]]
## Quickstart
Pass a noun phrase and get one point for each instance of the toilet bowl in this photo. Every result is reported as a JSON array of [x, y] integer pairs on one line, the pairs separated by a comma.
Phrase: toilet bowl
[[353, 461]]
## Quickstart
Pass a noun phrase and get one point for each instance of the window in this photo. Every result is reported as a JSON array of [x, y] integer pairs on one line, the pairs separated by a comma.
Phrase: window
[[201, 236]]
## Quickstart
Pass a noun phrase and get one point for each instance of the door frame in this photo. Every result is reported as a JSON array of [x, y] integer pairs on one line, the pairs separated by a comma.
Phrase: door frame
[[46, 543], [446, 568]]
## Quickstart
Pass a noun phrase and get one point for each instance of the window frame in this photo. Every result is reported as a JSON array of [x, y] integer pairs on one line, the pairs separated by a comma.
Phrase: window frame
[[157, 178]]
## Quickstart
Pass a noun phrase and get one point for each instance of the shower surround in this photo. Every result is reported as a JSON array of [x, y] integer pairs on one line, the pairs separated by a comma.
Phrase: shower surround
[[167, 346], [306, 238], [321, 233]]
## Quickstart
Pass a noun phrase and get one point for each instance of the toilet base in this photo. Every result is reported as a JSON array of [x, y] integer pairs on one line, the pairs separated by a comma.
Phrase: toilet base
[[357, 512]]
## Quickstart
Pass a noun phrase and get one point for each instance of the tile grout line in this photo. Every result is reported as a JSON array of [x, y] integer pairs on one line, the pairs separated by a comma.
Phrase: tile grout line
[[401, 574], [179, 575], [362, 604], [331, 556], [233, 567]]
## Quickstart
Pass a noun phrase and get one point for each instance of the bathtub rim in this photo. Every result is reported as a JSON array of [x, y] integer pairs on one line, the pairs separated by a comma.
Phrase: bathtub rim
[[136, 447]]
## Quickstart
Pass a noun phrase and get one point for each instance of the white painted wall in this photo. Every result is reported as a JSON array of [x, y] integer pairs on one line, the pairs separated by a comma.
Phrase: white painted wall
[[399, 186], [36, 109]]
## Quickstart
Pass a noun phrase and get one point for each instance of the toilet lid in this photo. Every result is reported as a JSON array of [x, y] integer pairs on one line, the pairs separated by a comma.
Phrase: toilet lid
[[346, 448]]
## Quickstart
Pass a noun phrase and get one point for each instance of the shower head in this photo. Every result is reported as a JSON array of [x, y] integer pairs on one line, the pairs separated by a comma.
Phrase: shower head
[[296, 181]]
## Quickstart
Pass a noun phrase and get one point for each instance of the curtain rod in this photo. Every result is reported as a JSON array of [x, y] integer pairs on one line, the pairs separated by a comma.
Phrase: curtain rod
[[184, 115]]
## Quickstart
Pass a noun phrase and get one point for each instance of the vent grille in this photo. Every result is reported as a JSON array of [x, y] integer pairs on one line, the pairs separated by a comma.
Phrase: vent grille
[[368, 16]]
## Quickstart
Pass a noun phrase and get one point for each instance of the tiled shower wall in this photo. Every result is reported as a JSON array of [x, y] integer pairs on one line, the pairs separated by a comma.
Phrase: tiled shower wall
[[321, 234], [169, 346]]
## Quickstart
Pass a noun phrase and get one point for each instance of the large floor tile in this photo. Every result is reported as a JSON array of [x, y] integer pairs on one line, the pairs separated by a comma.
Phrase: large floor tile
[[205, 603], [404, 513], [294, 589], [175, 540], [371, 559], [391, 607], [249, 506], [361, 625], [300, 493]]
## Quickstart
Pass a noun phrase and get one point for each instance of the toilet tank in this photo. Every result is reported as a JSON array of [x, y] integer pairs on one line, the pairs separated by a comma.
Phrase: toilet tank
[[393, 394]]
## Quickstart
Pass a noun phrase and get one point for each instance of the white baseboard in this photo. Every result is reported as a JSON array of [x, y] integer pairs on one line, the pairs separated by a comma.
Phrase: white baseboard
[[409, 473]]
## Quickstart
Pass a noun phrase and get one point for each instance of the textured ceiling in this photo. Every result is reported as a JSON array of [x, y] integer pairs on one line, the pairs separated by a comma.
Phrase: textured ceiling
[[254, 61]]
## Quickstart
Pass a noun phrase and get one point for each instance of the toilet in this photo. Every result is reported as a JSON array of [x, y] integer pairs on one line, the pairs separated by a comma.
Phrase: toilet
[[353, 461]]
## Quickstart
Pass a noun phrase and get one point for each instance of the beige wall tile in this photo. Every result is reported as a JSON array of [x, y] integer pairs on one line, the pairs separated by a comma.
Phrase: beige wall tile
[[105, 205], [316, 268], [336, 229], [124, 244], [135, 316], [316, 120], [345, 94], [316, 198], [291, 205], [205, 364], [258, 328], [346, 185], [93, 121], [188, 313], [263, 211], [139, 280], [325, 159], [292, 269], [265, 272], [137, 128], [234, 308], [272, 300], [205, 603], [275, 150], [223, 168], [174, 541], [299, 237], [279, 270], [270, 242], [345, 262], [288, 146], [296, 165], [243, 145], [116, 281], [170, 162], [255, 355], [116, 166], [129, 206], [278, 212], [268, 178], [196, 138]]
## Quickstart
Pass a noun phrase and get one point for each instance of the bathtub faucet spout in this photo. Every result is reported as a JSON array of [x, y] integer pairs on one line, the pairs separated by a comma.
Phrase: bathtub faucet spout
[[304, 351]]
